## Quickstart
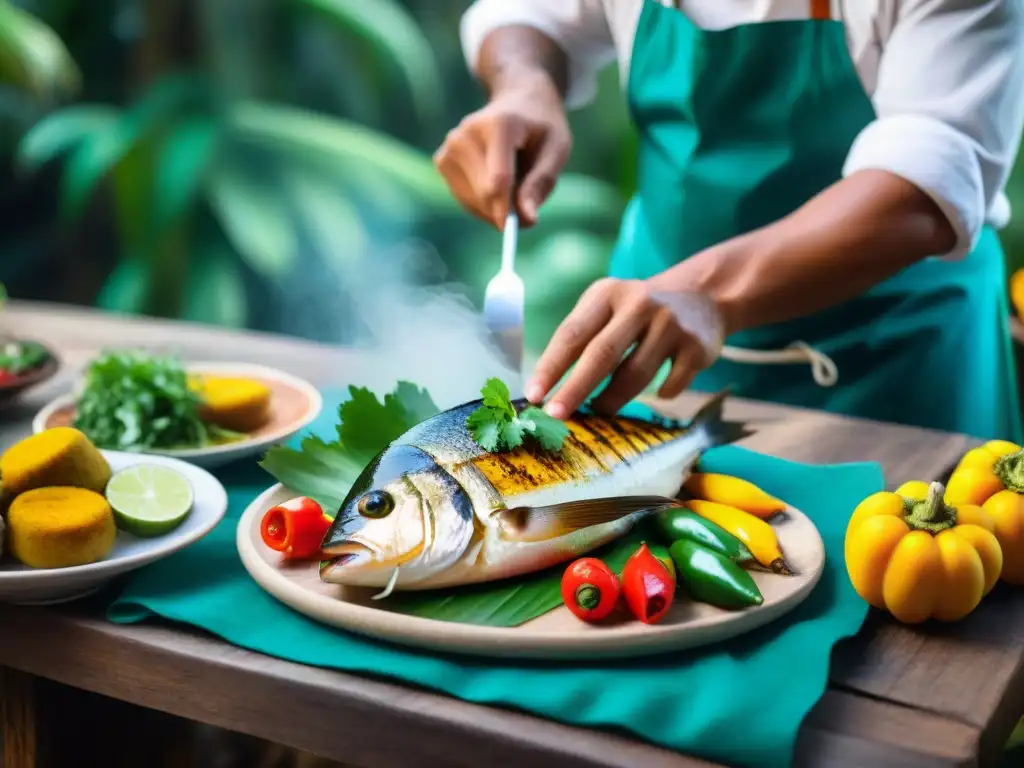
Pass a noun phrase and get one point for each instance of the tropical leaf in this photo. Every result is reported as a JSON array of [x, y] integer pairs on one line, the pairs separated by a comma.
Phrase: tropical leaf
[[60, 131], [510, 602], [215, 291], [181, 164], [330, 220], [33, 57], [99, 152], [127, 288], [255, 217], [94, 157], [396, 37], [351, 150]]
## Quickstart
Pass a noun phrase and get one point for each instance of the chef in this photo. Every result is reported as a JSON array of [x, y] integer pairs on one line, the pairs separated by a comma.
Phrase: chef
[[820, 182]]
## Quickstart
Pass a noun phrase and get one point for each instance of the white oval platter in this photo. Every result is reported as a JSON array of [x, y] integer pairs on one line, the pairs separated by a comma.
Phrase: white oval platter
[[555, 635]]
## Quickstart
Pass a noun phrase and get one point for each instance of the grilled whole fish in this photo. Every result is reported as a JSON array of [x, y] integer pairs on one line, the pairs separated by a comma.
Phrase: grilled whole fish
[[434, 509]]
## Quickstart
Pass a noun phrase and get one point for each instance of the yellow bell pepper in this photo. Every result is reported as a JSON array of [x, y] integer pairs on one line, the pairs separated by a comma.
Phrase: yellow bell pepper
[[1006, 509], [978, 475], [992, 475], [921, 558], [1017, 292]]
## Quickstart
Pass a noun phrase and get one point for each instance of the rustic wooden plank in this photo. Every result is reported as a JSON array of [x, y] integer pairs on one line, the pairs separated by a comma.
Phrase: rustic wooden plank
[[243, 692], [964, 671], [18, 744], [349, 718], [849, 730]]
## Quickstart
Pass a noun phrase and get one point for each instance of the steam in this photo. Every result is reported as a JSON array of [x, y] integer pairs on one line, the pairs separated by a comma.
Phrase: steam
[[397, 301], [423, 328]]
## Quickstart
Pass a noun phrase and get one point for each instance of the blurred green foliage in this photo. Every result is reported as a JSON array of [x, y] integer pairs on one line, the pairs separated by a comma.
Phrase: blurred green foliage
[[248, 152], [228, 161]]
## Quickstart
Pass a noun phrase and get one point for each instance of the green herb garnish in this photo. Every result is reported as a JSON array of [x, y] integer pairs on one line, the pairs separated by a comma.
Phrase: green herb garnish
[[135, 401], [18, 357], [497, 426], [325, 471]]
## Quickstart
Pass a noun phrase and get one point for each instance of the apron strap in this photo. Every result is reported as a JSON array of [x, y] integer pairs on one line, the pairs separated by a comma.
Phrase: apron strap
[[699, 315], [823, 368]]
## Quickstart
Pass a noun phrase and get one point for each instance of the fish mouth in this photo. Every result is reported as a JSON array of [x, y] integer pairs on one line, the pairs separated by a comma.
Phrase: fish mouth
[[347, 554]]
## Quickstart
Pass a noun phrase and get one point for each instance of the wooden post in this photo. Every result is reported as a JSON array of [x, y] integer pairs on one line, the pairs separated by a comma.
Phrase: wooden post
[[18, 744]]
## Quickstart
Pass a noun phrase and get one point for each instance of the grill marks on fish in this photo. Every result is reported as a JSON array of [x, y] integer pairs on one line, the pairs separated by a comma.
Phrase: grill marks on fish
[[462, 515], [595, 446]]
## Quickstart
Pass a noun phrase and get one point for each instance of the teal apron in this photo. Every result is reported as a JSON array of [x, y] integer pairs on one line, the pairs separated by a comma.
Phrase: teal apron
[[740, 127]]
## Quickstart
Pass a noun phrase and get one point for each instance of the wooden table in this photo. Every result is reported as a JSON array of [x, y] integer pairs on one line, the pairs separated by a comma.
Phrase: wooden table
[[939, 696]]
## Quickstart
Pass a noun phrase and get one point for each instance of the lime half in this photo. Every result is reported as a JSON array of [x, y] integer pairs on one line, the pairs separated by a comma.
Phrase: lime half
[[149, 499]]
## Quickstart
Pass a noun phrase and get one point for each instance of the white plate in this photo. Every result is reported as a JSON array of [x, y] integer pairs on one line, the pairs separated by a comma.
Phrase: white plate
[[294, 405], [555, 635], [21, 584]]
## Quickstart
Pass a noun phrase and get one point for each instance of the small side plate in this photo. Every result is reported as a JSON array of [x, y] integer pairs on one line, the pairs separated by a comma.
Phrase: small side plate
[[294, 405], [12, 389], [23, 585]]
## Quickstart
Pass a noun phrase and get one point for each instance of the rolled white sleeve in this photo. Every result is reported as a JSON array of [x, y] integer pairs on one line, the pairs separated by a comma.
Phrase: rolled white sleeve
[[950, 107], [579, 27]]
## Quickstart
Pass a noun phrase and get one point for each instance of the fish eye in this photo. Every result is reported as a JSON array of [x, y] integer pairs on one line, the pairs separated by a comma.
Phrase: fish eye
[[376, 504]]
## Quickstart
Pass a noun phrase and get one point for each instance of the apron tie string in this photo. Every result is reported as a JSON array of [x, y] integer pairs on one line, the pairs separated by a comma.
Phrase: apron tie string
[[700, 316], [823, 368]]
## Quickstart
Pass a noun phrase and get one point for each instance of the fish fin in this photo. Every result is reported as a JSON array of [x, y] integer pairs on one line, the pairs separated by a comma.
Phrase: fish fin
[[554, 520], [718, 431]]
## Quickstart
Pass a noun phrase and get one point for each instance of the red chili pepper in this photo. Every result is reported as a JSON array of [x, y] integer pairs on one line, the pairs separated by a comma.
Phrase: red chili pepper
[[296, 529], [6, 377], [589, 589], [647, 586]]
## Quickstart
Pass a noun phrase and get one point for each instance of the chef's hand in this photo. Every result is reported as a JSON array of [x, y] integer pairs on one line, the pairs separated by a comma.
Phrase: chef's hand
[[478, 157], [611, 317]]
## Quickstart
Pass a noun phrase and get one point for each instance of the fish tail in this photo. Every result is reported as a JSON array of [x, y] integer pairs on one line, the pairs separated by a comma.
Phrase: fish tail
[[712, 426]]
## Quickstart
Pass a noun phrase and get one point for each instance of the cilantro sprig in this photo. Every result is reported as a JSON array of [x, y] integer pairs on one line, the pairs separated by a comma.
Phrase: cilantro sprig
[[137, 401], [497, 426]]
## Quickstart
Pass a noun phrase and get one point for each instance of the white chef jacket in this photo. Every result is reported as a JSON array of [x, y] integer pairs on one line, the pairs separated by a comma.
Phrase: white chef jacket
[[946, 78]]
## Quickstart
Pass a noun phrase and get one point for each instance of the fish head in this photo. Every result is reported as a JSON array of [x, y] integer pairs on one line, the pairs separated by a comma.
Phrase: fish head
[[404, 512]]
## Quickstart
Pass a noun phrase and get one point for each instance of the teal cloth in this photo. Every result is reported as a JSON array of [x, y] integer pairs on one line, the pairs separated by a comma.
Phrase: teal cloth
[[738, 128], [740, 702]]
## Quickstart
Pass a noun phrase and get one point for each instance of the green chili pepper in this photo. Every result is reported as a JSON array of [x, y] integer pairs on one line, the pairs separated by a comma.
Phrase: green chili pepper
[[678, 524], [711, 577]]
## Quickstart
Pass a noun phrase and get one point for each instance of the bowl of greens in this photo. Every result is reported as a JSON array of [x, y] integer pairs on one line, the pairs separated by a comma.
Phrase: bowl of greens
[[208, 414], [23, 364]]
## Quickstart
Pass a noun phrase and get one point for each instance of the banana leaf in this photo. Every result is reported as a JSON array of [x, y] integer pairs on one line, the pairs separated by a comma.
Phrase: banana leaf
[[60, 131], [355, 152], [98, 154], [329, 219], [33, 57], [510, 602], [395, 37], [351, 150], [215, 291], [182, 161], [255, 217]]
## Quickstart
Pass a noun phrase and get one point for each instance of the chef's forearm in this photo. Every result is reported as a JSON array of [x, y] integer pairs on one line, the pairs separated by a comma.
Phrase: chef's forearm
[[855, 234], [519, 56]]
